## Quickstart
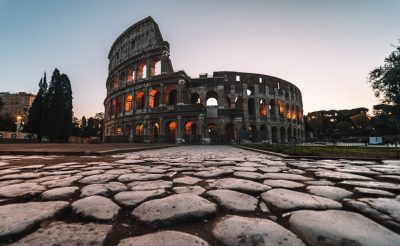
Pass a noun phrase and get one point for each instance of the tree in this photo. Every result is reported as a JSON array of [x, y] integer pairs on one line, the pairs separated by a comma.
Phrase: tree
[[37, 109], [58, 113], [385, 80]]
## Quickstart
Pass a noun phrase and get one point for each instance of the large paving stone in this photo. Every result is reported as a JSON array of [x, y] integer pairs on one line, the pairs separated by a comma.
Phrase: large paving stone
[[150, 185], [388, 206], [60, 193], [186, 180], [197, 190], [22, 189], [174, 209], [248, 175], [373, 192], [286, 176], [213, 173], [243, 231], [239, 184], [372, 184], [133, 198], [335, 227], [164, 238], [61, 182], [21, 176], [233, 200], [16, 218], [139, 177], [96, 207], [340, 175], [331, 192], [103, 189], [60, 233], [280, 183], [98, 179], [290, 200]]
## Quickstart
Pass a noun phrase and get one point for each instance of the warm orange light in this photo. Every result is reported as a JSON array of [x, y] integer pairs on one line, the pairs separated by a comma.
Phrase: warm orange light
[[128, 103], [188, 128], [281, 108], [172, 126], [152, 98]]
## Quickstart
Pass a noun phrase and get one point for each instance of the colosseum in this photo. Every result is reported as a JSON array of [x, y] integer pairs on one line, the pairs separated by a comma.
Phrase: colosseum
[[147, 101]]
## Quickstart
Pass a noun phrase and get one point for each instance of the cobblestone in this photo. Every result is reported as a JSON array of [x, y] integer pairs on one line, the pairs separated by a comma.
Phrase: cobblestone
[[188, 190]]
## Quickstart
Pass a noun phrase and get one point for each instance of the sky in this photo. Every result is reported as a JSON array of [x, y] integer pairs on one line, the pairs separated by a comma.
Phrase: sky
[[326, 48]]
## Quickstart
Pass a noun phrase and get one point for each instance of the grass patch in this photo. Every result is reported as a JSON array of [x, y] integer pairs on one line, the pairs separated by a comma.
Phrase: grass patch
[[331, 151]]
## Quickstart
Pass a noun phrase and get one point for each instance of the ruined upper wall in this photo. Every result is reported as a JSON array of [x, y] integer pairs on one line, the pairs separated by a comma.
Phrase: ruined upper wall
[[141, 37]]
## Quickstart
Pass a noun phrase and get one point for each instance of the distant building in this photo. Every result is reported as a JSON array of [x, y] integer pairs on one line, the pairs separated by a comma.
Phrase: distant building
[[16, 105]]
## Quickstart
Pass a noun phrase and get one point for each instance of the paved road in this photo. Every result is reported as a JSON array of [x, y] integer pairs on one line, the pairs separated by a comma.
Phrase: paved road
[[197, 195]]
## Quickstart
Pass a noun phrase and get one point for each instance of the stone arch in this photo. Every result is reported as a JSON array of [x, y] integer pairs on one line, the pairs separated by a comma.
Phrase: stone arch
[[142, 71], [154, 131], [251, 106], [250, 91], [170, 131], [272, 107], [274, 133], [263, 107], [154, 98], [195, 98], [239, 102], [139, 129], [172, 97], [155, 67], [289, 134], [213, 133], [140, 100], [230, 133], [128, 103], [227, 102], [253, 133], [283, 134], [263, 133], [211, 98]]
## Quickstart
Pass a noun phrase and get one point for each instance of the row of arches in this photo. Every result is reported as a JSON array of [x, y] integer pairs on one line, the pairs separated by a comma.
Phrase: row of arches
[[142, 70]]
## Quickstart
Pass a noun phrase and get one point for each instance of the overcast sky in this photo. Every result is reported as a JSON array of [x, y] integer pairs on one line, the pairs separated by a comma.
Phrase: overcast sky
[[326, 48]]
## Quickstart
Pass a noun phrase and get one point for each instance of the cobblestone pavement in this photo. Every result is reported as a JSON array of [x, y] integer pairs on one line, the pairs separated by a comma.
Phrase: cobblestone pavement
[[197, 195]]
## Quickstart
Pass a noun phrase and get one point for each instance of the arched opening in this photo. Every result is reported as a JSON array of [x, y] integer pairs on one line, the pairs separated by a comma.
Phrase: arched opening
[[139, 130], [253, 135], [288, 112], [172, 97], [190, 132], [120, 102], [281, 107], [113, 106], [142, 70], [195, 98], [131, 74], [283, 135], [154, 132], [274, 133], [115, 83], [239, 102], [155, 67], [250, 91], [295, 134], [140, 100], [230, 133], [263, 107], [212, 99], [128, 103], [227, 102], [251, 106], [212, 131], [272, 107], [289, 134], [171, 131], [154, 99], [263, 133], [128, 131]]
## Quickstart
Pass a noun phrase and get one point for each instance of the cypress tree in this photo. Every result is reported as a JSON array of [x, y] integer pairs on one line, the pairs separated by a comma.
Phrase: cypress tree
[[36, 110], [67, 113]]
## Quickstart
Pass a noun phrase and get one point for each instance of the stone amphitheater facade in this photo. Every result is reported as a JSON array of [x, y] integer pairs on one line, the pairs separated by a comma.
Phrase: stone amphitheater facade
[[147, 101]]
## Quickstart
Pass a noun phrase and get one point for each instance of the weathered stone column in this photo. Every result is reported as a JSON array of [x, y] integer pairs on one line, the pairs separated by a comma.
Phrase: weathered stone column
[[178, 136], [201, 126], [161, 95], [181, 83], [148, 68]]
